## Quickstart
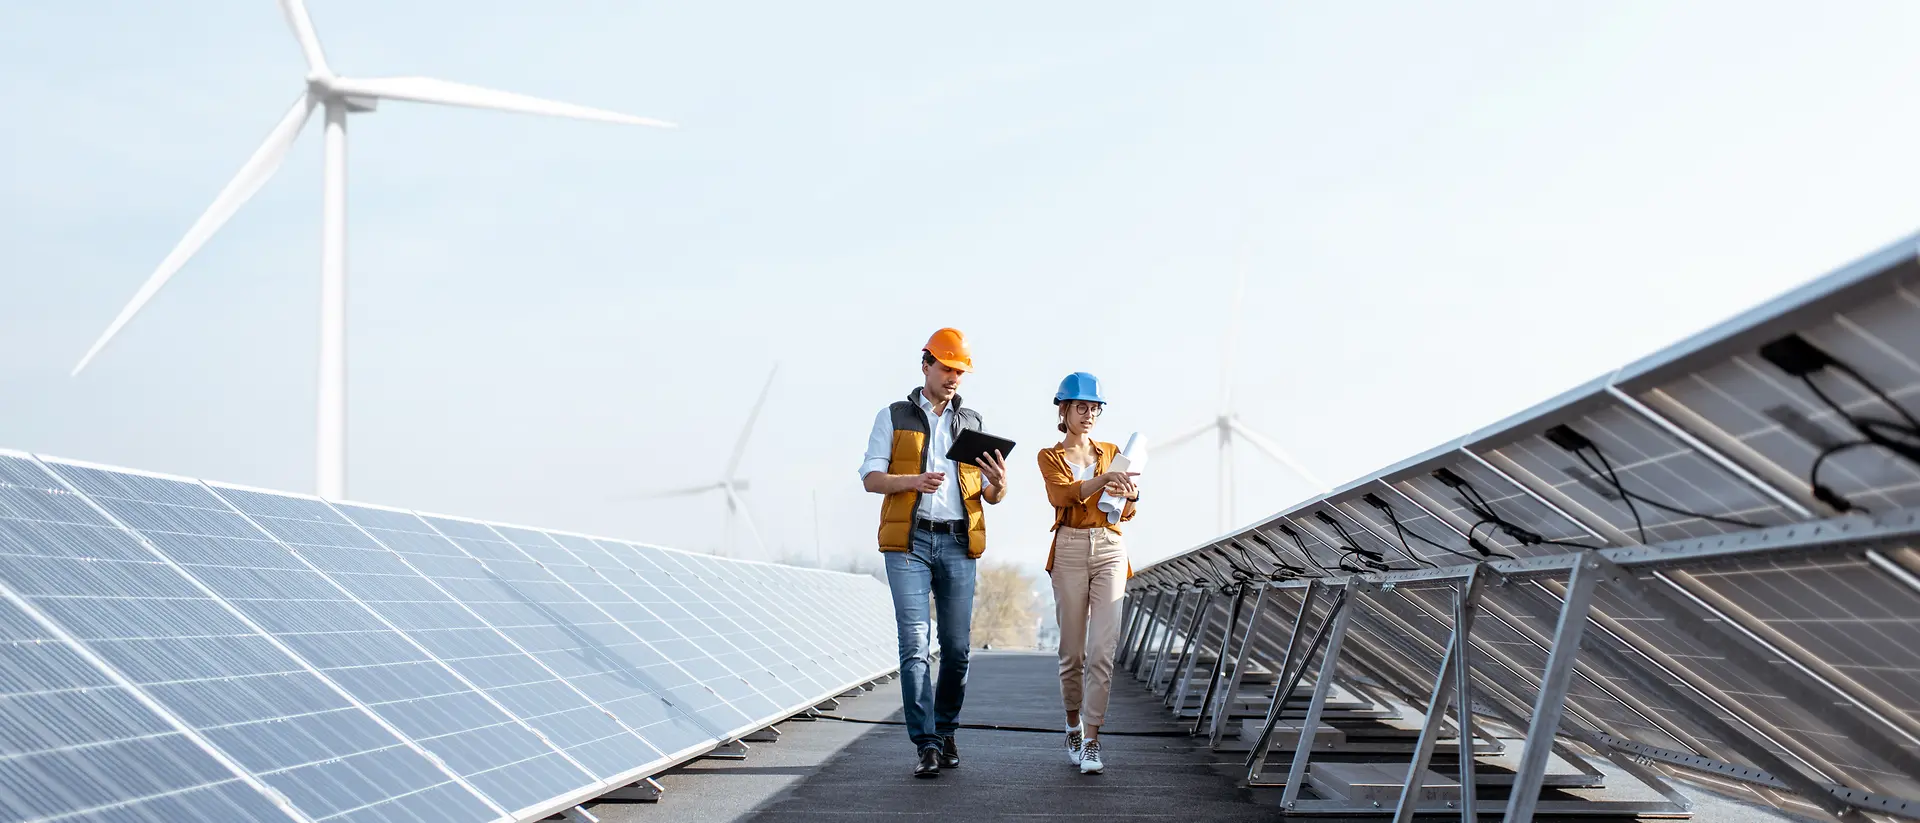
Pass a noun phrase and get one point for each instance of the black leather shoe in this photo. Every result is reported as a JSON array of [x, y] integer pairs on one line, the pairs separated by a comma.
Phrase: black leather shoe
[[949, 755], [929, 765]]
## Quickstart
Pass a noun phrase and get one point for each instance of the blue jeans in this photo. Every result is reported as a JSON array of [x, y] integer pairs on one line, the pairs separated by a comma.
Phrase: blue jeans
[[937, 565]]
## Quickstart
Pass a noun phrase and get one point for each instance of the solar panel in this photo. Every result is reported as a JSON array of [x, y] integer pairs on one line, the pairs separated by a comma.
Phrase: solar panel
[[427, 698], [721, 701], [634, 599], [110, 756], [228, 681], [1666, 491], [179, 650], [1767, 633], [686, 603], [756, 591], [455, 603], [840, 638], [750, 630]]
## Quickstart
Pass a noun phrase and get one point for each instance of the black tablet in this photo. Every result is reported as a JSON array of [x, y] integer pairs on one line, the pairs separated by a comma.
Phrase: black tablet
[[973, 443]]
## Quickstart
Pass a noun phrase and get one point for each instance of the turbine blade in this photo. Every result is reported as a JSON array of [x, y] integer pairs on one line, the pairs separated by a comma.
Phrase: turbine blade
[[447, 93], [740, 507], [296, 11], [746, 432], [688, 491], [253, 174], [1279, 454], [1165, 446]]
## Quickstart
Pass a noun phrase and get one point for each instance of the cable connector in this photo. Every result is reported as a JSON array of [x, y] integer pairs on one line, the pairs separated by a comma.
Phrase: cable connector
[[1825, 494], [1449, 479], [1374, 500], [1795, 356], [1566, 438]]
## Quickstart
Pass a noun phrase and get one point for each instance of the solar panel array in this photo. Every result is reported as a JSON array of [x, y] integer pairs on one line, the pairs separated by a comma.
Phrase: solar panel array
[[178, 650], [1706, 563]]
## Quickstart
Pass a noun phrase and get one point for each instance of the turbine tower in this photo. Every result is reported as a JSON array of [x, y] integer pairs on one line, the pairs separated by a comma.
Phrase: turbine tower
[[1226, 424], [337, 97], [731, 484]]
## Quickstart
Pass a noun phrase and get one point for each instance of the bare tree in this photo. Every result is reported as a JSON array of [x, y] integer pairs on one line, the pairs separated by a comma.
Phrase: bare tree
[[1005, 614]]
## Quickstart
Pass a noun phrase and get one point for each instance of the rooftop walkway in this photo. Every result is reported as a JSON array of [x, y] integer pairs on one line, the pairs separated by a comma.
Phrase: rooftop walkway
[[830, 770]]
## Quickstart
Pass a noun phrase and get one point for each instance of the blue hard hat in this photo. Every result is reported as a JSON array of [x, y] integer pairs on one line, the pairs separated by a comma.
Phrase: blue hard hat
[[1079, 386]]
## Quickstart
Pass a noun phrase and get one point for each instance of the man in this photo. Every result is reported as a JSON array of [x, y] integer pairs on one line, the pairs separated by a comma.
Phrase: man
[[932, 530]]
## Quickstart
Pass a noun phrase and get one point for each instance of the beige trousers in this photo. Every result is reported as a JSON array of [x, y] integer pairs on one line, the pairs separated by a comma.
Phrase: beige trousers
[[1089, 580]]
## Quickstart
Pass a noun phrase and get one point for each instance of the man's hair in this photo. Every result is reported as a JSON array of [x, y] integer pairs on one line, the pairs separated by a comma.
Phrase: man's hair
[[926, 358]]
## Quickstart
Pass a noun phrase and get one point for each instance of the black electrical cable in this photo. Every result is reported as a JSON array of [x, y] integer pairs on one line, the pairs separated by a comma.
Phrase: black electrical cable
[[1281, 570], [1354, 548], [994, 727], [1309, 555], [1630, 496], [1913, 425], [1482, 508], [1639, 527], [1826, 494], [1885, 434], [1402, 532]]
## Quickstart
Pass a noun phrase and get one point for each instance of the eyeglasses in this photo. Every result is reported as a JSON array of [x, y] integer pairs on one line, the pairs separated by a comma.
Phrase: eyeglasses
[[1083, 407]]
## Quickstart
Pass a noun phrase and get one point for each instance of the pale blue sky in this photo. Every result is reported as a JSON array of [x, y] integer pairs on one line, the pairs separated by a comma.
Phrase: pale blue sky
[[1452, 211]]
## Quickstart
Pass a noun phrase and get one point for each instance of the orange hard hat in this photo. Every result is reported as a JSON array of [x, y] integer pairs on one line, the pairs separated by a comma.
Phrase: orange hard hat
[[949, 346]]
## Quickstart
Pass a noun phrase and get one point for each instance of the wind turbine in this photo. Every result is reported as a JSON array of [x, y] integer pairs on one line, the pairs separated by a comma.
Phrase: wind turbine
[[1226, 424], [730, 484], [337, 96]]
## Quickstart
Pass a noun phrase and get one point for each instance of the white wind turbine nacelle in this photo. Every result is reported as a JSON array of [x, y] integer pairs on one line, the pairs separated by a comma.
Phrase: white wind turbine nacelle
[[1226, 425], [338, 96]]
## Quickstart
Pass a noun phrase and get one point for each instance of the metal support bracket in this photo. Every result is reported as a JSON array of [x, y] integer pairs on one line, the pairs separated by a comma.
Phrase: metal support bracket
[[1222, 708], [1292, 668], [1453, 686], [1693, 707], [1182, 672], [1329, 665], [730, 750], [1553, 688], [1217, 670], [1166, 639], [647, 790]]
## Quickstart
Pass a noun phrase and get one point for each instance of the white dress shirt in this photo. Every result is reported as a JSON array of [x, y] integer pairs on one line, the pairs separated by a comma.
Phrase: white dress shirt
[[944, 504]]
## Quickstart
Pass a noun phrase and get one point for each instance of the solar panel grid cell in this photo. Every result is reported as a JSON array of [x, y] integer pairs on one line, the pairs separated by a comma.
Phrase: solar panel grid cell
[[1655, 470], [1784, 426], [809, 669], [493, 750], [626, 596], [748, 627], [110, 757], [1504, 502], [1404, 528], [1784, 725], [710, 709], [455, 631], [266, 710], [582, 645]]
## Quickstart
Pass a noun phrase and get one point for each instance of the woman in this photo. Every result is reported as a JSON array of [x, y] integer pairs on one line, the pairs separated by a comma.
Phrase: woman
[[1088, 562]]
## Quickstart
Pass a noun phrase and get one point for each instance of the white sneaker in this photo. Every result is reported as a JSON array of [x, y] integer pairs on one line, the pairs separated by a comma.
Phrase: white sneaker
[[1073, 744], [1090, 757]]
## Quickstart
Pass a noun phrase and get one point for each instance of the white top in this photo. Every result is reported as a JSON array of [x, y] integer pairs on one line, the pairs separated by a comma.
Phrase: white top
[[944, 504], [1081, 473]]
